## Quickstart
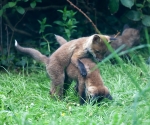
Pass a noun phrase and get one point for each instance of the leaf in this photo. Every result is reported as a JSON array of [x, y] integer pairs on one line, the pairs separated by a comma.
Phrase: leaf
[[20, 10], [44, 20], [1, 12], [43, 43], [47, 25], [59, 23], [127, 3], [146, 20], [113, 6], [39, 22], [33, 4], [133, 15], [60, 11], [140, 5], [11, 4]]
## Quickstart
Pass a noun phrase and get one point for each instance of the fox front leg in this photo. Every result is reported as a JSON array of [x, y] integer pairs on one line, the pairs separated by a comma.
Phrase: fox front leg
[[81, 68], [75, 61]]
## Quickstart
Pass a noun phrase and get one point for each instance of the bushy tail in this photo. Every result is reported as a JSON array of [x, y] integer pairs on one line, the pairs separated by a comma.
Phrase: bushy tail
[[32, 52], [60, 40]]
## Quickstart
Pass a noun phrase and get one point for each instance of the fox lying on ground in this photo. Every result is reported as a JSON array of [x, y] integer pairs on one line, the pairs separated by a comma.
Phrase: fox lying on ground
[[130, 37], [90, 87], [72, 52]]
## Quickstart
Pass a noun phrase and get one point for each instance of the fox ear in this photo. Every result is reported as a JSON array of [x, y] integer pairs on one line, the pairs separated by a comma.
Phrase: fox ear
[[96, 39], [126, 26]]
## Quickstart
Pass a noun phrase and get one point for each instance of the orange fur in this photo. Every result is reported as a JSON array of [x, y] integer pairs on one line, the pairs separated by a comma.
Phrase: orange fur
[[70, 52]]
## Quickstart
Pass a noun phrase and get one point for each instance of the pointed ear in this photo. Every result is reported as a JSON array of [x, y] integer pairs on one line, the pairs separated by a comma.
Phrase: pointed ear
[[126, 26], [96, 39]]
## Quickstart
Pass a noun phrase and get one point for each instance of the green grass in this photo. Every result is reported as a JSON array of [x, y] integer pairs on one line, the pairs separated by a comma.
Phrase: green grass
[[25, 100]]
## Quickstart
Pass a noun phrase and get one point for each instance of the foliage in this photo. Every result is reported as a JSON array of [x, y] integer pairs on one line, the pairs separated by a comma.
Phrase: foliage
[[139, 11], [16, 7], [43, 25], [68, 22]]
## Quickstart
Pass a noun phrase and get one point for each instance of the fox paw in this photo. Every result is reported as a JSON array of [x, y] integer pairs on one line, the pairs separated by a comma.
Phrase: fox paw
[[82, 69]]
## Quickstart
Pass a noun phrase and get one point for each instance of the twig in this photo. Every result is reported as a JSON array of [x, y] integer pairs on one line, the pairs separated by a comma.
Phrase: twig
[[116, 34], [85, 16], [14, 29]]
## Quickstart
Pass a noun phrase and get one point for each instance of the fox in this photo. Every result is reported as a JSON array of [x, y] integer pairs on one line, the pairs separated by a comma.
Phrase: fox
[[130, 37], [91, 87], [93, 46]]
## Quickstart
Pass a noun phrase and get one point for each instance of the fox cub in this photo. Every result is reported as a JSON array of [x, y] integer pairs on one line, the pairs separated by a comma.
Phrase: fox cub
[[91, 87], [130, 37], [72, 52]]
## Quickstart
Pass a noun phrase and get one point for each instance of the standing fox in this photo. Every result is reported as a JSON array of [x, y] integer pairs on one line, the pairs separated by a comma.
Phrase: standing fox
[[90, 87], [72, 52]]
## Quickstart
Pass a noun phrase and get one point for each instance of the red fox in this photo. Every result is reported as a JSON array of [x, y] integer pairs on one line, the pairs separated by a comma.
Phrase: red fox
[[72, 52], [130, 37], [90, 87]]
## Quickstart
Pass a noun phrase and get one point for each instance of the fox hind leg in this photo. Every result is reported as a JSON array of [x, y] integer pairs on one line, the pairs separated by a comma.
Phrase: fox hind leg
[[57, 82]]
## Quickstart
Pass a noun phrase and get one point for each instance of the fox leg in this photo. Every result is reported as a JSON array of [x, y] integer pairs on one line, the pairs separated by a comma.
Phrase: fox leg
[[81, 92], [75, 60], [57, 81]]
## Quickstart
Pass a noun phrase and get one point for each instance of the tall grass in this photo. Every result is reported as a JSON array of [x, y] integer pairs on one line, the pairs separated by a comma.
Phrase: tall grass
[[24, 99]]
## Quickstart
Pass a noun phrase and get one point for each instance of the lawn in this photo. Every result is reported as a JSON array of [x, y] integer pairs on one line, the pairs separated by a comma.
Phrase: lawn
[[25, 100]]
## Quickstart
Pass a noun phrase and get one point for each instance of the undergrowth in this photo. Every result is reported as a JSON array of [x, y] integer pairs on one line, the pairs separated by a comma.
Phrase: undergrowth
[[25, 100]]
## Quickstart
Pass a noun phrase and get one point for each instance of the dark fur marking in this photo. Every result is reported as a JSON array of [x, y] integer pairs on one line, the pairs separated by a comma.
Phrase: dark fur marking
[[82, 69]]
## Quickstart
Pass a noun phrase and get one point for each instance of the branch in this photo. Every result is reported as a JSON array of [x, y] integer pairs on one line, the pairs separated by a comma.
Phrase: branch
[[85, 16], [13, 28]]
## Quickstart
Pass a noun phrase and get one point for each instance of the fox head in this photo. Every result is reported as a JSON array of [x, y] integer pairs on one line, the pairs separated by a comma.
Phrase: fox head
[[97, 45], [95, 93]]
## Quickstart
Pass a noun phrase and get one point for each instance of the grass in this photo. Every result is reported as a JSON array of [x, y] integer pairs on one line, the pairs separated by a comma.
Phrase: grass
[[24, 99]]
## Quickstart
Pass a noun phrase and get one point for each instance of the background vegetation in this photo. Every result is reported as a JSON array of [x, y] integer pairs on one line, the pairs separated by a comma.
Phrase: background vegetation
[[34, 22], [24, 85]]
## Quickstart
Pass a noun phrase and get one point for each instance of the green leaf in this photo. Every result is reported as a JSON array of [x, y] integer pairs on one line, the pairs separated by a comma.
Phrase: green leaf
[[44, 20], [11, 4], [133, 15], [43, 43], [47, 25], [60, 11], [140, 5], [113, 6], [146, 20], [20, 10], [5, 6], [33, 4], [25, 0], [39, 22], [1, 12], [127, 3], [59, 23]]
